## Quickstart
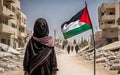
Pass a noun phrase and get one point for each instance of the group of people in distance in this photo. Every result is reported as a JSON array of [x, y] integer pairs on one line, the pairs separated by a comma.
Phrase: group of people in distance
[[71, 48]]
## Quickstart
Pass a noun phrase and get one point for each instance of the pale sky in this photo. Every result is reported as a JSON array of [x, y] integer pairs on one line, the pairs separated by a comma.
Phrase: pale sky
[[57, 12]]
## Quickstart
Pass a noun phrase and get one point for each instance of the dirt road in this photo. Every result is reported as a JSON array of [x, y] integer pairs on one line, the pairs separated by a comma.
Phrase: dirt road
[[71, 64]]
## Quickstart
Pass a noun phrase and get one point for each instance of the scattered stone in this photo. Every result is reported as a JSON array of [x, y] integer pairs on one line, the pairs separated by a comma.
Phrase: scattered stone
[[2, 69], [5, 59], [11, 66], [13, 51], [118, 72], [101, 60], [116, 61], [112, 57], [115, 67], [98, 55]]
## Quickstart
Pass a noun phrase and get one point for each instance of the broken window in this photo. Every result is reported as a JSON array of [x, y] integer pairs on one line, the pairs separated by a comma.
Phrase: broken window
[[22, 29], [102, 13], [110, 11], [1, 20], [3, 41], [6, 22], [111, 22], [104, 29], [13, 25], [109, 41], [111, 31], [118, 21]]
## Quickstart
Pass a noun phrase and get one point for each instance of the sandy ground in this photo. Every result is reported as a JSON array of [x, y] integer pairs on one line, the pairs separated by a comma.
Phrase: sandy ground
[[71, 64]]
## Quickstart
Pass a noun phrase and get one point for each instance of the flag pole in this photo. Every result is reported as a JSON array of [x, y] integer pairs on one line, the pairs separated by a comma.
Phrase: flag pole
[[93, 46], [94, 52]]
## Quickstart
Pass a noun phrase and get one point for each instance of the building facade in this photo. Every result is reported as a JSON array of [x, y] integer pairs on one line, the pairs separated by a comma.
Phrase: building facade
[[29, 35], [12, 24], [109, 15]]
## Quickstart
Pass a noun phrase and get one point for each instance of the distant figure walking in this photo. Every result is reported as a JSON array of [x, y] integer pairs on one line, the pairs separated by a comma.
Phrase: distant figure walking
[[76, 48], [72, 48], [68, 49], [63, 47]]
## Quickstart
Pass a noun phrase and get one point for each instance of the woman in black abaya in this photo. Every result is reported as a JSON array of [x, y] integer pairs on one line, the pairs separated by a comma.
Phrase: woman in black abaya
[[40, 58]]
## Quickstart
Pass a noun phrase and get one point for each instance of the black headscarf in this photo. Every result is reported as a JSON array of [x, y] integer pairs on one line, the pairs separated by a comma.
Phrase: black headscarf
[[40, 28]]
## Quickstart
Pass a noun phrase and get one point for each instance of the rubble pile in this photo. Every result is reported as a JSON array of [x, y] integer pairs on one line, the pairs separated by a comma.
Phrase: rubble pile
[[10, 59], [109, 58]]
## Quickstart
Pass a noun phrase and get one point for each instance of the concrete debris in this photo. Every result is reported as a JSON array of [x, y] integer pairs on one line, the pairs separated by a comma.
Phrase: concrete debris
[[13, 51], [110, 58], [101, 60], [3, 65], [115, 67], [6, 48], [10, 59], [11, 66], [2, 69]]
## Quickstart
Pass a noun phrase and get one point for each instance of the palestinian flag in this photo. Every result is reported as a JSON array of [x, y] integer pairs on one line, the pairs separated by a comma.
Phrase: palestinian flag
[[77, 24]]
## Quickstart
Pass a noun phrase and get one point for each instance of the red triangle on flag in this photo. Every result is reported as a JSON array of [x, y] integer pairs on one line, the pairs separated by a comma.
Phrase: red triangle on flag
[[85, 17]]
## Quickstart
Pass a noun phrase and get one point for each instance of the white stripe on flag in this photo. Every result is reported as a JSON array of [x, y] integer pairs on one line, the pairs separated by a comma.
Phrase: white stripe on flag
[[72, 26]]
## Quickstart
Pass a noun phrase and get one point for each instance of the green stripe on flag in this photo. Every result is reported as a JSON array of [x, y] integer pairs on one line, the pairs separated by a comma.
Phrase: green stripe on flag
[[76, 31]]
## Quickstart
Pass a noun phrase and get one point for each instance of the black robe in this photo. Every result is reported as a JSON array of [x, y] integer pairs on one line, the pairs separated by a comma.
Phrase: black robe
[[39, 59]]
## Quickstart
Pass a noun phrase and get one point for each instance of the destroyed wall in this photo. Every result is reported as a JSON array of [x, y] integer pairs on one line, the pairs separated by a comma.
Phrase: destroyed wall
[[99, 40]]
